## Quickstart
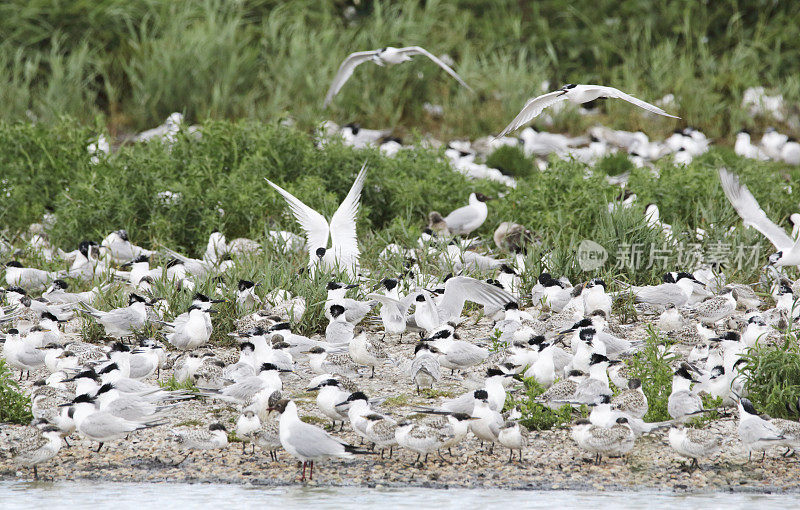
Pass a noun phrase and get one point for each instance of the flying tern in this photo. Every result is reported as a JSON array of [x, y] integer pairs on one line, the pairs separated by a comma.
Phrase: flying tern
[[382, 57], [576, 94]]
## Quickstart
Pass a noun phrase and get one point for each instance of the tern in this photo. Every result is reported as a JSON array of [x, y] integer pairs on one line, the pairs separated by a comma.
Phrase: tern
[[747, 207], [344, 252], [307, 442], [382, 57], [576, 94], [121, 322], [41, 448]]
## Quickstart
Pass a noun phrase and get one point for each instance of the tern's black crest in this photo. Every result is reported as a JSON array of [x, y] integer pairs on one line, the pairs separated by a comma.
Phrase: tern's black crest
[[244, 285], [748, 407], [512, 305], [337, 310], [389, 283], [505, 268], [493, 372], [586, 334], [60, 284], [358, 395], [320, 252], [13, 263], [481, 197], [481, 395], [597, 358], [217, 426]]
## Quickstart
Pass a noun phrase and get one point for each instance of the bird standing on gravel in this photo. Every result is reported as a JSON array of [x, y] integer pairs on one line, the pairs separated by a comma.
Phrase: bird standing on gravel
[[694, 443], [307, 442], [366, 351], [617, 440], [38, 449], [215, 438], [121, 322], [191, 329]]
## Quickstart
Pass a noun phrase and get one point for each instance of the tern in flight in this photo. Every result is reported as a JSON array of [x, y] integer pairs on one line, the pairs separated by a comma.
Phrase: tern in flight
[[382, 57], [576, 94]]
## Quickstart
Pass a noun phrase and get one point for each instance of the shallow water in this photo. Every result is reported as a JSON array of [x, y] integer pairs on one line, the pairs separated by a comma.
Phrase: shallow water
[[123, 496]]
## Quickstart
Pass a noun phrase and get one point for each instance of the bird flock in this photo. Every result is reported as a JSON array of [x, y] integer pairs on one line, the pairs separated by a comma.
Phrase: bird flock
[[411, 329]]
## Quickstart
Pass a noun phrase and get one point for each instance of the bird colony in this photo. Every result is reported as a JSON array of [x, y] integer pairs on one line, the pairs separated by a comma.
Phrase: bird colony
[[409, 366]]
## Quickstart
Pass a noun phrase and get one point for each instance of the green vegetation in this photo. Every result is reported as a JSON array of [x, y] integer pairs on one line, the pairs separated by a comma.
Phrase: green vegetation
[[129, 64], [220, 182], [535, 416], [15, 407], [511, 161], [652, 365], [173, 384], [773, 378]]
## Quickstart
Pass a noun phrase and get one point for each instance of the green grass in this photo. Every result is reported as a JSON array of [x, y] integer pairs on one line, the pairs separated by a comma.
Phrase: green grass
[[535, 416], [773, 377], [174, 385], [128, 64], [652, 366], [15, 407]]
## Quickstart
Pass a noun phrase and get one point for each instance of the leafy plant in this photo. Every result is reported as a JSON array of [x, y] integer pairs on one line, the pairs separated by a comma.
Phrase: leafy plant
[[15, 406], [772, 377], [652, 365], [534, 415], [173, 384], [511, 161]]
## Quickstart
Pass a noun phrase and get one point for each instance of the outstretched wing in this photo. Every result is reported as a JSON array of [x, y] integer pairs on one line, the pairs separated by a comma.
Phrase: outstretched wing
[[418, 50], [746, 205], [532, 109], [346, 71], [312, 222], [343, 224], [618, 94], [460, 289]]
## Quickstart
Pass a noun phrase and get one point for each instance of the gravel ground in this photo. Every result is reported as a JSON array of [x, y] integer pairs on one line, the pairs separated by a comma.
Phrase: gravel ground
[[551, 461]]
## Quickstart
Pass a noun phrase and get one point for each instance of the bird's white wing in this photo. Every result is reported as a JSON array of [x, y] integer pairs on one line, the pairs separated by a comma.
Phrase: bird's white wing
[[460, 217], [418, 50], [343, 223], [746, 205], [532, 109], [313, 442], [312, 222], [618, 94], [459, 289], [346, 71]]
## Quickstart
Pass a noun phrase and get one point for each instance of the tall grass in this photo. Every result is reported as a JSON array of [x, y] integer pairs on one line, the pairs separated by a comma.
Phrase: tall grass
[[137, 61]]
